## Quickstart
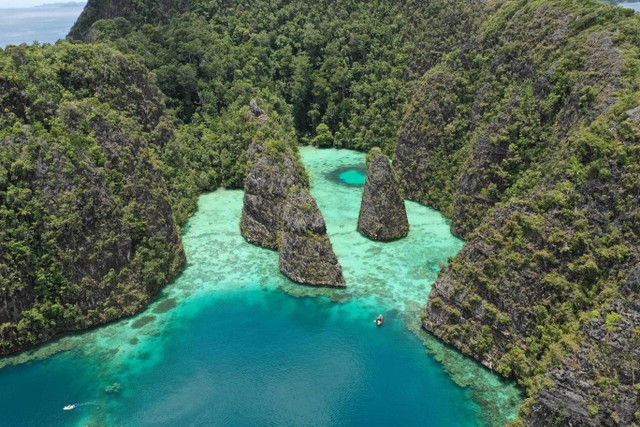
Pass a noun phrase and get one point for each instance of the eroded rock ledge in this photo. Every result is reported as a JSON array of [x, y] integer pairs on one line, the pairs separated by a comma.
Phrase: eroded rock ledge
[[306, 255], [382, 212]]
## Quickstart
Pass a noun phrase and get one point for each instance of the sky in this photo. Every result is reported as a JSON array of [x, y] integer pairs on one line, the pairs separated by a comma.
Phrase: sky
[[5, 4]]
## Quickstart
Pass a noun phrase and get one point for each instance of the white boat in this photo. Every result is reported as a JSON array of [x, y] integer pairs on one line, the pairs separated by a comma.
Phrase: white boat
[[70, 407]]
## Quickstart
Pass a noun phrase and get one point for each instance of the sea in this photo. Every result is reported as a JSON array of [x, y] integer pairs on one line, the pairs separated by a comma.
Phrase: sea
[[45, 24], [634, 6], [233, 342]]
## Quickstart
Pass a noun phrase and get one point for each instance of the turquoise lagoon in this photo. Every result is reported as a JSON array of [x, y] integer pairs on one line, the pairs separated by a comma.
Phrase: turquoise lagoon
[[233, 342]]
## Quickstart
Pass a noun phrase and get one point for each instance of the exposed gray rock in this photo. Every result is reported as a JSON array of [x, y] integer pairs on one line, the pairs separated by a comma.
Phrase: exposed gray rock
[[271, 176], [634, 115], [382, 212], [306, 255], [259, 113], [597, 384]]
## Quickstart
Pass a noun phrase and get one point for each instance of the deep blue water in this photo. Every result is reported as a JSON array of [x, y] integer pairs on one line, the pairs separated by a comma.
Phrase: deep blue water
[[253, 358], [232, 342], [45, 24]]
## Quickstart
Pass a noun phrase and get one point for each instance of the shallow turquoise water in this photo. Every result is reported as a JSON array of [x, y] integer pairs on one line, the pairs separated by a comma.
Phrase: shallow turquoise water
[[354, 175], [233, 342]]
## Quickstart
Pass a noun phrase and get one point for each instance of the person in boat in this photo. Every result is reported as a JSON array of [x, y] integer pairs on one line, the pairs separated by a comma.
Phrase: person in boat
[[379, 320]]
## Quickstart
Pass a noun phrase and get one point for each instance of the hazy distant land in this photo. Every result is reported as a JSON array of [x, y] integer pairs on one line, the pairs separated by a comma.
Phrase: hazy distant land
[[45, 23]]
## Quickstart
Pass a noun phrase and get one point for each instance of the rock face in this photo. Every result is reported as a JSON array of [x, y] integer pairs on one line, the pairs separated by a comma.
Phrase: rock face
[[382, 212], [306, 255], [258, 113], [279, 213], [609, 348], [92, 237], [539, 292], [271, 176]]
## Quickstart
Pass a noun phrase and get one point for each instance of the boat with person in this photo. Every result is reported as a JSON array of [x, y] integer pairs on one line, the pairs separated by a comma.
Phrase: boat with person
[[379, 320]]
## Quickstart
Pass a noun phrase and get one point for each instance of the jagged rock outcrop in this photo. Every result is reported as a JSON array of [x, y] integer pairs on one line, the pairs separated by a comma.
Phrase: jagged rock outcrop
[[272, 174], [306, 255], [259, 114], [255, 109], [382, 212]]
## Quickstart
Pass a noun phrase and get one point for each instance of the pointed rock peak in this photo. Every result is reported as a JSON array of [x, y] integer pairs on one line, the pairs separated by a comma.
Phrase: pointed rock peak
[[306, 254], [382, 212], [272, 174]]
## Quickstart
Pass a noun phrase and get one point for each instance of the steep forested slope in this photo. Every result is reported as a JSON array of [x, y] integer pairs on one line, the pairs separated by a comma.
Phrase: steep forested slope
[[87, 233], [528, 138], [343, 66]]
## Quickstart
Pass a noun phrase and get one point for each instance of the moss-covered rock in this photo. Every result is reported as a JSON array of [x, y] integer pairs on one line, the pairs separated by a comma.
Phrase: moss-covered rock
[[306, 255], [382, 212], [275, 170]]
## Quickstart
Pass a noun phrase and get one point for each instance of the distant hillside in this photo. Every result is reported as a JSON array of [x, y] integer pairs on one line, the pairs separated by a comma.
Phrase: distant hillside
[[64, 4]]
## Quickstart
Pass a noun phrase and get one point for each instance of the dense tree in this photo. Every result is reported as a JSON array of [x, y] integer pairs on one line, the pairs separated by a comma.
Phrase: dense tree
[[87, 233], [341, 64], [517, 119]]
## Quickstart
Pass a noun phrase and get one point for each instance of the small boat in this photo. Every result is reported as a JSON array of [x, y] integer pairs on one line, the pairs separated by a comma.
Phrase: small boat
[[379, 320], [70, 407]]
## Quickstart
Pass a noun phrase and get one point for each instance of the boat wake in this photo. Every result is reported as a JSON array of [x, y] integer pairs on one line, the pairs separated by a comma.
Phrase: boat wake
[[76, 405]]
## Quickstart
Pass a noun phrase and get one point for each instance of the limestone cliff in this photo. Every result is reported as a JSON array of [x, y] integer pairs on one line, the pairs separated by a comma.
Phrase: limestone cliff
[[606, 358], [306, 255], [382, 212], [526, 151], [87, 233], [272, 174]]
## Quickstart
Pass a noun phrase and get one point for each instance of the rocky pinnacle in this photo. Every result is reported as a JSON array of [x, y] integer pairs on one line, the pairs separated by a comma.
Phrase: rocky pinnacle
[[306, 255], [382, 212], [269, 180]]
